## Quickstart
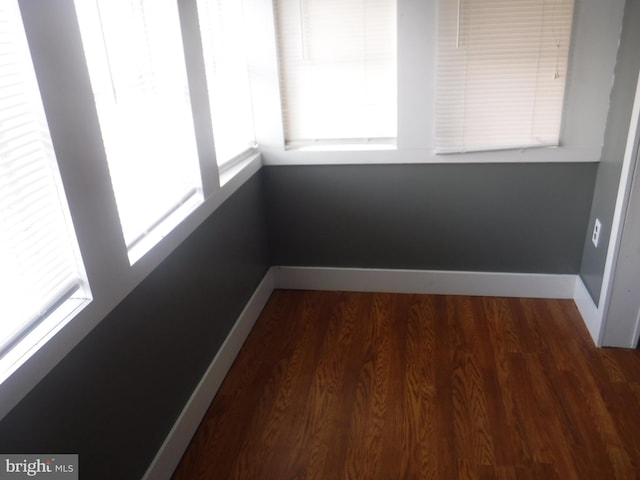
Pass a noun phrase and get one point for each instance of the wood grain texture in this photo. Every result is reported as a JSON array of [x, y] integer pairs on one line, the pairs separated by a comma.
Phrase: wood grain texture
[[337, 385]]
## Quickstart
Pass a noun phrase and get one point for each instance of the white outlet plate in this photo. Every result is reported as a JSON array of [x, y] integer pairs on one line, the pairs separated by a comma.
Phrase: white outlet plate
[[596, 233]]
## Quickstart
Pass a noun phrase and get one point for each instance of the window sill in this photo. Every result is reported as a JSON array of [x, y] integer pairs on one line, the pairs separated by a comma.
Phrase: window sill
[[236, 165], [42, 333], [161, 230], [345, 145], [273, 155]]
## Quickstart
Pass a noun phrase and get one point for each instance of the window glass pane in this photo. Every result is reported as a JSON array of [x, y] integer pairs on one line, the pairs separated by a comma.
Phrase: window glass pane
[[40, 268], [338, 68], [136, 62], [501, 75], [224, 42]]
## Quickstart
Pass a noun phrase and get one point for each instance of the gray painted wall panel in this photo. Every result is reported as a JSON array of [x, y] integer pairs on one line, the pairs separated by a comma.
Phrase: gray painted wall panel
[[490, 217], [608, 177], [114, 398]]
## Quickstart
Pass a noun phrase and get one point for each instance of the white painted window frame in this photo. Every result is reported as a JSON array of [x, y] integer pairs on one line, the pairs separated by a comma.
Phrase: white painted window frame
[[54, 39], [595, 36]]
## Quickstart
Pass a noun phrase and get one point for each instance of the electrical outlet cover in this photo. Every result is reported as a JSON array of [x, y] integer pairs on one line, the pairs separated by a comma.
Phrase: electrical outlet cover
[[596, 233]]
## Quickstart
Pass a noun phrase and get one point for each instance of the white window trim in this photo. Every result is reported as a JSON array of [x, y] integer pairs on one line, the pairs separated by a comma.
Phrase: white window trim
[[55, 40], [125, 43], [592, 59]]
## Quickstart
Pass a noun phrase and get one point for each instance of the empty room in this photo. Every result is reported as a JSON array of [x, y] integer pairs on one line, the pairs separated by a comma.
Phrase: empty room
[[277, 239]]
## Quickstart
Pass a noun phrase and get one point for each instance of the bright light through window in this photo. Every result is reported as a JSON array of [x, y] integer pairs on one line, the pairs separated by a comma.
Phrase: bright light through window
[[501, 73], [224, 41], [136, 62], [41, 276], [338, 71]]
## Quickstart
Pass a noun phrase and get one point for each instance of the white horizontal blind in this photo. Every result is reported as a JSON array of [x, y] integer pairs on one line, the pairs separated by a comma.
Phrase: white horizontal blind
[[338, 69], [39, 269], [501, 74], [224, 42], [136, 62]]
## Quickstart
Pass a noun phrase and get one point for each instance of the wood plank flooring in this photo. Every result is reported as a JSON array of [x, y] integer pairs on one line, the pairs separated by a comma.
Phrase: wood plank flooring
[[335, 385]]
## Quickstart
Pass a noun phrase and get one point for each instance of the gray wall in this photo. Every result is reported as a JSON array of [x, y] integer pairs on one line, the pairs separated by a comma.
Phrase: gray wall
[[490, 217], [114, 398], [608, 178]]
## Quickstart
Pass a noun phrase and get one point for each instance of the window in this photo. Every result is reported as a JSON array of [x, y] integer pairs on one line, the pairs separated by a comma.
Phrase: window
[[136, 62], [224, 42], [41, 279], [138, 97], [338, 70], [501, 74]]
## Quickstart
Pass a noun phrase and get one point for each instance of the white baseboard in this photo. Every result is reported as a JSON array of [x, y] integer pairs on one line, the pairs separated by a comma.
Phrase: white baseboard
[[591, 315], [492, 284], [177, 441], [355, 279]]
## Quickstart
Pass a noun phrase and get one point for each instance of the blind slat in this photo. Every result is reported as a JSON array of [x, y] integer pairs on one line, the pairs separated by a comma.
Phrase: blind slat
[[501, 73], [39, 266], [338, 68]]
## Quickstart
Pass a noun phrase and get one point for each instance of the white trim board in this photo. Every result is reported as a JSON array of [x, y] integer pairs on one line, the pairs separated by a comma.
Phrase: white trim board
[[591, 316], [629, 164], [168, 456], [355, 279], [491, 284]]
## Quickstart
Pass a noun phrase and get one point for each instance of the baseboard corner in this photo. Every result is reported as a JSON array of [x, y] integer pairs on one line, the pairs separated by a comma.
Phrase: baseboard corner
[[589, 311]]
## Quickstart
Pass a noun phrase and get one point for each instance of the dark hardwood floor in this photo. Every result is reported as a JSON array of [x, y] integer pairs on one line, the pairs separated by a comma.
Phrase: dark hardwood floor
[[335, 385]]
